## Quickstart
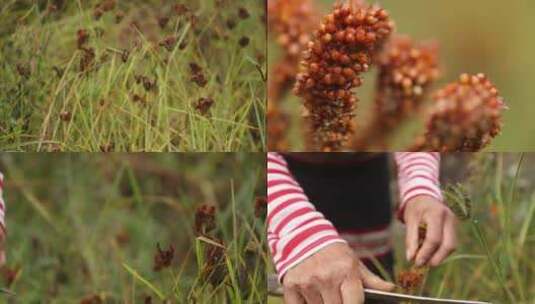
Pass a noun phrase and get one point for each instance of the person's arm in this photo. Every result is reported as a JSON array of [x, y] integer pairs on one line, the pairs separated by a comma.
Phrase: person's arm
[[295, 229], [314, 264], [418, 175], [421, 202]]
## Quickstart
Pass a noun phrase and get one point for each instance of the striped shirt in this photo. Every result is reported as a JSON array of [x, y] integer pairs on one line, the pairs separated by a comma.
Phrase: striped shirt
[[296, 230]]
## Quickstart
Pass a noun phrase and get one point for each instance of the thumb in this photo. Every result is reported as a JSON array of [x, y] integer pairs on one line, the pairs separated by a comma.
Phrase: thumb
[[371, 280]]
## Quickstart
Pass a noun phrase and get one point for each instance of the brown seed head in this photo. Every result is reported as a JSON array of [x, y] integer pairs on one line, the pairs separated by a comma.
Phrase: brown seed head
[[83, 37], [163, 258], [243, 13], [204, 105], [205, 219], [244, 41]]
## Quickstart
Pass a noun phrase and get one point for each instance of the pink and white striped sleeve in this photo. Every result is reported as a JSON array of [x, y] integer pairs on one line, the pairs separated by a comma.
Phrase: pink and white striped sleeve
[[418, 174], [2, 205], [295, 229]]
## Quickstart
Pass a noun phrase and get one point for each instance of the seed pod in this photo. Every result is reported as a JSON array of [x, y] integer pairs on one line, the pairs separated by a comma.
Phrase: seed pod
[[244, 41], [168, 43], [466, 116], [204, 105], [163, 258], [243, 13], [83, 37], [205, 219], [119, 16], [65, 116], [339, 43]]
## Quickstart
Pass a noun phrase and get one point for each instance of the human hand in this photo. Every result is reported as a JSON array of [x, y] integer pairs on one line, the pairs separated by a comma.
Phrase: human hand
[[334, 275], [440, 237]]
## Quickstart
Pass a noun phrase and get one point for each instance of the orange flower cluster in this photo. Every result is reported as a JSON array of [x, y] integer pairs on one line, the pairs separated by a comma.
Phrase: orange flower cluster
[[341, 50], [407, 70], [466, 116]]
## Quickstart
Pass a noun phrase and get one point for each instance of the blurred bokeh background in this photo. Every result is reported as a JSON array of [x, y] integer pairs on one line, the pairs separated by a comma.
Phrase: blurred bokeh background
[[489, 36]]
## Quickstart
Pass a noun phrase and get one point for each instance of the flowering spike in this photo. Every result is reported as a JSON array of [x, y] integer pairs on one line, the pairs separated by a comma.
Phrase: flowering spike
[[341, 49], [466, 116], [407, 70]]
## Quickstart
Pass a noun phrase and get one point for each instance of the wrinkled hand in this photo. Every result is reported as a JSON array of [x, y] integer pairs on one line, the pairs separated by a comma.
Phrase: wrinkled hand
[[440, 238], [334, 275]]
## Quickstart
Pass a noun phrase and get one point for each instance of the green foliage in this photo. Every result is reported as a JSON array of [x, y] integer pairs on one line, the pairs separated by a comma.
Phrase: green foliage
[[84, 226], [104, 112]]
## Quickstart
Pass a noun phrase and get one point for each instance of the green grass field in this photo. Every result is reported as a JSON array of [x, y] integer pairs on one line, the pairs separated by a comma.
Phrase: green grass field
[[472, 39], [85, 227], [130, 86], [494, 260]]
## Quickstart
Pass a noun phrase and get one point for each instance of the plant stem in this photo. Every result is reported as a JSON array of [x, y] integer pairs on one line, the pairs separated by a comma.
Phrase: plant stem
[[483, 241]]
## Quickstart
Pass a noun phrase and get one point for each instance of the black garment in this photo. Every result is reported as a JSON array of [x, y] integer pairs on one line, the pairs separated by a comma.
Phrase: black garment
[[352, 190]]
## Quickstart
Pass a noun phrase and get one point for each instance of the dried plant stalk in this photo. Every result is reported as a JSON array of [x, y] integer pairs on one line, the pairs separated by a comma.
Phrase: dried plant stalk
[[466, 116], [407, 70], [342, 49], [292, 22]]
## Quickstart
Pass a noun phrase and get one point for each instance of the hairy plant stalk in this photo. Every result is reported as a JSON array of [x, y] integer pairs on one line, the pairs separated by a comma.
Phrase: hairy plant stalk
[[341, 50]]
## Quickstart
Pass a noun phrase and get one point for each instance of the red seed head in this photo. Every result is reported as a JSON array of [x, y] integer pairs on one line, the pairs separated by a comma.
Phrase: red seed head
[[343, 45]]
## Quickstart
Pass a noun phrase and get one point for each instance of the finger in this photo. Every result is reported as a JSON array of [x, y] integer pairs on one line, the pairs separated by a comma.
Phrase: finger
[[352, 291], [449, 242], [331, 294], [433, 237], [310, 294], [291, 296], [411, 239], [371, 280], [2, 258]]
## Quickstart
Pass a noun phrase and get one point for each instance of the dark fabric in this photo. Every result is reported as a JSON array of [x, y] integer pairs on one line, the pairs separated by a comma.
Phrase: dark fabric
[[353, 194]]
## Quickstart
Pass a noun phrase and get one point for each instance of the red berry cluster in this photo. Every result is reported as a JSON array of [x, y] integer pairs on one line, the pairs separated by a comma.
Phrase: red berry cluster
[[342, 48], [466, 116]]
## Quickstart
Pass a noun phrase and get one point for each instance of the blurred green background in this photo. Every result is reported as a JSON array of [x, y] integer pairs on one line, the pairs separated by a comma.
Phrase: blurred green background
[[489, 36], [76, 222]]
